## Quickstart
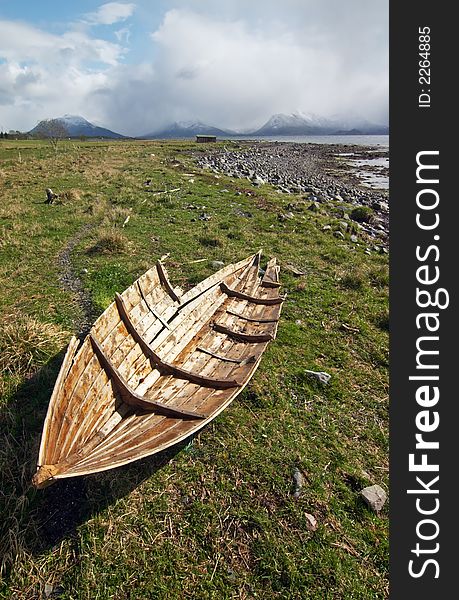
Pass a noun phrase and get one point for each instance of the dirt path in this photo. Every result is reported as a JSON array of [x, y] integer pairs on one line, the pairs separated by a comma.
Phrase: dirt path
[[71, 281]]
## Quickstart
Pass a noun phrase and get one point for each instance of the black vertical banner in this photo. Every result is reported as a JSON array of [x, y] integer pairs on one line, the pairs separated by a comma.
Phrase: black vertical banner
[[423, 302]]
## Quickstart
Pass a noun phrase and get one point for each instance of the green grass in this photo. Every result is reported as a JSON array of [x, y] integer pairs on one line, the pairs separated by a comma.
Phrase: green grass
[[214, 518]]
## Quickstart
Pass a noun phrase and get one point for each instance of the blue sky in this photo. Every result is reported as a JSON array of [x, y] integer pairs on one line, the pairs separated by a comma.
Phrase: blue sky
[[135, 66]]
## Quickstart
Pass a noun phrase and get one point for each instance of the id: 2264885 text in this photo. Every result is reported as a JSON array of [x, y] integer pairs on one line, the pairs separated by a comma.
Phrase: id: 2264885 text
[[424, 67]]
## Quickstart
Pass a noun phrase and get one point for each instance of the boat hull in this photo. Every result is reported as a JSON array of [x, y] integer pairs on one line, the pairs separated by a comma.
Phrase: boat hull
[[156, 367]]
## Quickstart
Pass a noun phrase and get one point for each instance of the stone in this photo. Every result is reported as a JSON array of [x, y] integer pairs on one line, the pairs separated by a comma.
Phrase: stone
[[217, 264], [374, 496], [298, 481], [285, 216], [258, 180], [339, 235], [204, 217], [354, 239], [326, 228], [311, 522], [315, 207], [243, 213], [319, 375]]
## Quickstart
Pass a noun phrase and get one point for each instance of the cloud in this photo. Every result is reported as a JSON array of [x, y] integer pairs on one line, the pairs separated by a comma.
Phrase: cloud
[[233, 67], [226, 72], [21, 42], [123, 35], [110, 13], [46, 75]]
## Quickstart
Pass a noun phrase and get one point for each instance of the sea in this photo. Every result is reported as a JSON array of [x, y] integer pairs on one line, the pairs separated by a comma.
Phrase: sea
[[360, 140], [371, 171]]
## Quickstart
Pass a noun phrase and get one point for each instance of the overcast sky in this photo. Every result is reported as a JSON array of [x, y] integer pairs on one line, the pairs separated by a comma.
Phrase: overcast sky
[[135, 66]]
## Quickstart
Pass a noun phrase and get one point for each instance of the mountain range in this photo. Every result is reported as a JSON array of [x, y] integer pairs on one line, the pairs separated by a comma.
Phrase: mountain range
[[187, 129], [278, 125], [295, 124], [72, 126], [310, 124]]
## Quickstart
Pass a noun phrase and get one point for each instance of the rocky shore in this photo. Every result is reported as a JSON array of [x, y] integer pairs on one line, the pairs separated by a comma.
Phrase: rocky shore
[[320, 173]]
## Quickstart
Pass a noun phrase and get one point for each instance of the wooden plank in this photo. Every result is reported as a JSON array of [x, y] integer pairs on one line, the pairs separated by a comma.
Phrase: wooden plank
[[165, 282], [130, 397], [244, 337], [269, 283], [58, 386], [164, 366], [150, 308], [237, 361], [256, 300], [251, 319]]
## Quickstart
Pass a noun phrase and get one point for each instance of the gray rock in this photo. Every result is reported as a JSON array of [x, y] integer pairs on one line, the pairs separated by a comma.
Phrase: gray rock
[[354, 239], [339, 234], [285, 216], [298, 481], [343, 225], [319, 375], [217, 264], [204, 217], [326, 228], [374, 496], [315, 207], [243, 213]]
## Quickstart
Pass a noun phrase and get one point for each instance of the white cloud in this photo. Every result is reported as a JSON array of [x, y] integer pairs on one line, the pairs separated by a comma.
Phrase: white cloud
[[226, 73], [232, 68], [21, 42], [123, 35], [110, 13], [46, 75]]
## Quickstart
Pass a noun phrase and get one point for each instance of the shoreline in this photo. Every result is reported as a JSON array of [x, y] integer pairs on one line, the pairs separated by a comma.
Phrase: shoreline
[[320, 173]]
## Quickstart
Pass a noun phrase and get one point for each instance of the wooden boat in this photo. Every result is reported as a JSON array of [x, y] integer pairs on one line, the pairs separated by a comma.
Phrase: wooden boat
[[157, 366]]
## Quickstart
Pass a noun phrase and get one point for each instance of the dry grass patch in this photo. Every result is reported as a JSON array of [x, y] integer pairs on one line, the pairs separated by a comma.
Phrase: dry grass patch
[[117, 216], [110, 241], [26, 343], [355, 279], [71, 195]]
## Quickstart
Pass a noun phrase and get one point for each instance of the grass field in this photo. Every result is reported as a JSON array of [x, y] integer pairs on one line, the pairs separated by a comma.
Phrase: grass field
[[216, 517]]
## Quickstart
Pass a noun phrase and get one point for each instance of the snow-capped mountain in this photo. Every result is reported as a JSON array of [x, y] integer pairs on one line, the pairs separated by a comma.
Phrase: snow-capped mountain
[[72, 126], [310, 124], [186, 129]]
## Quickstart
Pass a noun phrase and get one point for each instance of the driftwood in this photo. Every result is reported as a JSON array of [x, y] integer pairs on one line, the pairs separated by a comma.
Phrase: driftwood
[[50, 196]]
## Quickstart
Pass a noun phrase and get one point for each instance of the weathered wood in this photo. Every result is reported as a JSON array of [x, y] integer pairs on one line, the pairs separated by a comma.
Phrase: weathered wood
[[156, 367], [150, 308], [165, 281], [166, 367], [130, 397], [256, 300], [251, 319], [240, 335], [269, 283], [238, 361]]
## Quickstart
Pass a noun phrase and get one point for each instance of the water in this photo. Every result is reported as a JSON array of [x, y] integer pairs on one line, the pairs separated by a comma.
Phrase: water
[[360, 140], [374, 177]]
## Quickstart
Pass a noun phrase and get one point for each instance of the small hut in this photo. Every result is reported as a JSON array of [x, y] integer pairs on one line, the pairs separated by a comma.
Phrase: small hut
[[206, 138]]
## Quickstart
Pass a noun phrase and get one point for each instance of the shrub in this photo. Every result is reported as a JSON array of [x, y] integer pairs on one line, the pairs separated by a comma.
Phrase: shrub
[[355, 280], [362, 214]]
